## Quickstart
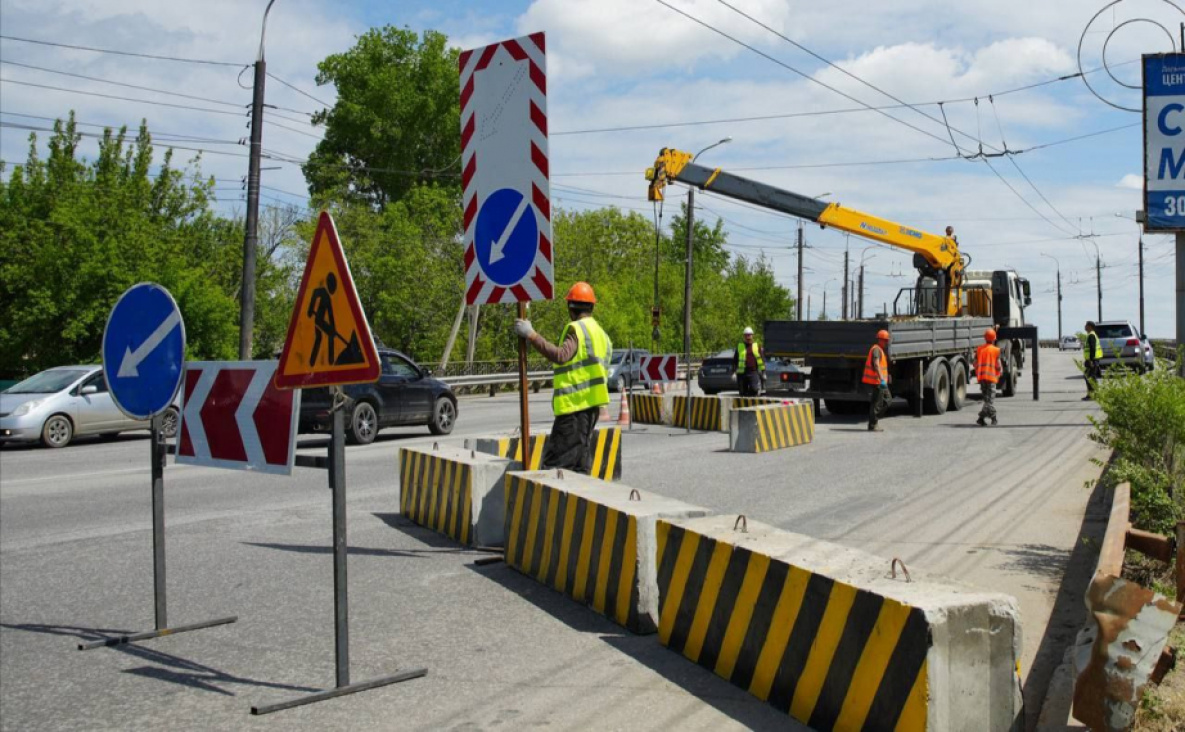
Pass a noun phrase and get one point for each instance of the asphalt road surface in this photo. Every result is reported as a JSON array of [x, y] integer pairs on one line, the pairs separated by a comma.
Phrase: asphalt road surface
[[1001, 508]]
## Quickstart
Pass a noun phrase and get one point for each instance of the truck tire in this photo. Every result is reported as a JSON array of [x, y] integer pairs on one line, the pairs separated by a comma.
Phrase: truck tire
[[958, 386], [938, 396], [1008, 385], [840, 407]]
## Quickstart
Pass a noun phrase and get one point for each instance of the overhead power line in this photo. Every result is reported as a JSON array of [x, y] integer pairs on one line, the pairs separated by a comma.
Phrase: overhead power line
[[120, 98], [298, 90], [120, 83], [124, 53]]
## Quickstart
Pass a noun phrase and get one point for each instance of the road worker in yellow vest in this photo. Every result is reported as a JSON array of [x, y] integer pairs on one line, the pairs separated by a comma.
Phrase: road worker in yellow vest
[[876, 379], [749, 365], [580, 383], [1093, 353], [988, 372]]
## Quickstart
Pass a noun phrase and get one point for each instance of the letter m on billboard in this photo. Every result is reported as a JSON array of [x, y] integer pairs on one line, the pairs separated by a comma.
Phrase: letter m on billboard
[[1164, 141]]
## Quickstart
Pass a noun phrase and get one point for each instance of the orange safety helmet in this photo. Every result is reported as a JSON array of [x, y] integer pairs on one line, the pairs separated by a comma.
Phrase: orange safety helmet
[[582, 292], [989, 335], [882, 335]]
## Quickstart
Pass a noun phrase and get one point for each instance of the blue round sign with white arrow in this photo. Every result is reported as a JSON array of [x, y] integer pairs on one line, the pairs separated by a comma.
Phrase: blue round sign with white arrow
[[506, 238], [144, 350]]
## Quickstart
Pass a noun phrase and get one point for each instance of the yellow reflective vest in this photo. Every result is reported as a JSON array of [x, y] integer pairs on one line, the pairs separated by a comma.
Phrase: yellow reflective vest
[[741, 357], [583, 382]]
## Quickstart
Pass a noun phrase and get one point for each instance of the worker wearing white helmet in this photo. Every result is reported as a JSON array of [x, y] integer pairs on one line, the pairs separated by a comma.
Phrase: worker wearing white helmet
[[749, 364]]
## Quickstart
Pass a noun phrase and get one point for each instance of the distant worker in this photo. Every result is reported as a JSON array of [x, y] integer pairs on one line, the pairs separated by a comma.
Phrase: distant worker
[[950, 233], [988, 372], [581, 381], [876, 379], [749, 363], [1093, 353]]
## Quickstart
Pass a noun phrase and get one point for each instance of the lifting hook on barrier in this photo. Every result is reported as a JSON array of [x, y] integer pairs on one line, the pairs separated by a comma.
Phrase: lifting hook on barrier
[[559, 473], [635, 495], [741, 522], [436, 446], [893, 570]]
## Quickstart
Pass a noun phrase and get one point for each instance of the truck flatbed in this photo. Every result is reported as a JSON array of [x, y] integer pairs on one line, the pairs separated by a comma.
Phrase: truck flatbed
[[823, 341]]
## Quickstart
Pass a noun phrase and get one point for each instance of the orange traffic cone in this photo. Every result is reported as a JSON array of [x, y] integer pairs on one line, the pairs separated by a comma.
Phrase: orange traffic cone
[[623, 417], [604, 414]]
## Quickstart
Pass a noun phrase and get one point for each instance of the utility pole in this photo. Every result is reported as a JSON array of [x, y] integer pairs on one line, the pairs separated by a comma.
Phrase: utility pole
[[687, 298], [1180, 250], [251, 239], [800, 244], [846, 289], [1098, 276], [860, 309], [1142, 331], [824, 302], [1059, 294]]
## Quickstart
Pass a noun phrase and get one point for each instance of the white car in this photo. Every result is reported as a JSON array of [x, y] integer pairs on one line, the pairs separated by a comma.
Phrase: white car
[[1069, 343], [62, 403]]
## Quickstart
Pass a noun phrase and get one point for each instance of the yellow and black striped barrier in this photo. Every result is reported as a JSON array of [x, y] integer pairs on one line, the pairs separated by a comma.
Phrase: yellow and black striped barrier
[[836, 649], [606, 451], [591, 540], [646, 408], [771, 427], [448, 490], [706, 413], [746, 402]]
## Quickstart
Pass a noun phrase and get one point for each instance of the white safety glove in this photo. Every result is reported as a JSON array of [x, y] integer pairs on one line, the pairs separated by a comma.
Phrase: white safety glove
[[523, 329]]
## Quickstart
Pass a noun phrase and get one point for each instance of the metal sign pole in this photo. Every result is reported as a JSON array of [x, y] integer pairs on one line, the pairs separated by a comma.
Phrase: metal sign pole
[[524, 406], [337, 486], [159, 585]]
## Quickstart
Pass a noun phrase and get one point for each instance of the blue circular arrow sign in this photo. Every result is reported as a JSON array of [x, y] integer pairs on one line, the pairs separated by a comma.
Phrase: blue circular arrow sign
[[144, 350], [506, 238]]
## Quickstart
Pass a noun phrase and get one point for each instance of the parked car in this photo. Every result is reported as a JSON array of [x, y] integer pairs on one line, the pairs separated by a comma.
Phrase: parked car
[[405, 395], [62, 403], [716, 373], [1149, 352], [1122, 345], [625, 367], [781, 375], [1069, 343]]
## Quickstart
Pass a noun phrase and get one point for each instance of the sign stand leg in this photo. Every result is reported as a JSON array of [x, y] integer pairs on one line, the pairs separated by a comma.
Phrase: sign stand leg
[[341, 609], [524, 405], [160, 604]]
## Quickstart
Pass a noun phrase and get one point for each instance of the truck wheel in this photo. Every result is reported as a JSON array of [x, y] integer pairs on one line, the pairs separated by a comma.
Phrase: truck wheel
[[958, 386], [1008, 388], [938, 397]]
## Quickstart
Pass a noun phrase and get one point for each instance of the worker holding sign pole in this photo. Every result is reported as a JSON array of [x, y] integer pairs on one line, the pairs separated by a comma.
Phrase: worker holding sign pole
[[580, 384]]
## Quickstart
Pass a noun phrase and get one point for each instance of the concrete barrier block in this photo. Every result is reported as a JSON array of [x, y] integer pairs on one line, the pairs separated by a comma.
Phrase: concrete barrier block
[[591, 540], [823, 633], [770, 427], [456, 492], [647, 408], [606, 450], [711, 413]]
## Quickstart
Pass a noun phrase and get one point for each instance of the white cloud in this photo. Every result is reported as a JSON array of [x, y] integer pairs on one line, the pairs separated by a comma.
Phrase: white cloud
[[1131, 181]]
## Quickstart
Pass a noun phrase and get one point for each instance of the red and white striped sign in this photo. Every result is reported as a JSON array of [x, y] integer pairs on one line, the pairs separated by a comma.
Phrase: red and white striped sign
[[233, 416], [658, 369], [507, 195]]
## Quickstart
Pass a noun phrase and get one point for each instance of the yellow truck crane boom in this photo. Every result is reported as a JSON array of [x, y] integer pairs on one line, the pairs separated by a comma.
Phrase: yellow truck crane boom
[[936, 257]]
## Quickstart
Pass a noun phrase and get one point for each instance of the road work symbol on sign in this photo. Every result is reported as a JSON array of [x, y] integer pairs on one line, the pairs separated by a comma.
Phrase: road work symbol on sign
[[329, 340], [506, 239], [143, 350]]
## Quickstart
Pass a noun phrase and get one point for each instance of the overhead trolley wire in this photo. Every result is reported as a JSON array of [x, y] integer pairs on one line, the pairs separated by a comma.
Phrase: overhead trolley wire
[[298, 90]]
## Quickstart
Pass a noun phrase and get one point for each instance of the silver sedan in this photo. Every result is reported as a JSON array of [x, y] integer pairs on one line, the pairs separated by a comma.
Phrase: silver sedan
[[62, 403]]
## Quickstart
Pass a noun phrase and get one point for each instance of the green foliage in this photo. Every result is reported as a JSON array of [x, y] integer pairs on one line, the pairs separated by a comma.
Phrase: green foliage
[[1144, 422], [397, 113]]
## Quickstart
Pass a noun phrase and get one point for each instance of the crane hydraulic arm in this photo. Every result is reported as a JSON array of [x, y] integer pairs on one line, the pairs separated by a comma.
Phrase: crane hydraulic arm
[[936, 256]]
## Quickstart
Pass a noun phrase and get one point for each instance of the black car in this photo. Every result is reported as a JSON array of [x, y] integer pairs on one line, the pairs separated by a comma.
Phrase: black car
[[405, 395]]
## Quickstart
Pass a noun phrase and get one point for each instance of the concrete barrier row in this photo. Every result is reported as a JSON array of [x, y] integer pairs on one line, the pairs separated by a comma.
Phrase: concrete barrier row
[[606, 450], [708, 413], [771, 427], [590, 540], [647, 408]]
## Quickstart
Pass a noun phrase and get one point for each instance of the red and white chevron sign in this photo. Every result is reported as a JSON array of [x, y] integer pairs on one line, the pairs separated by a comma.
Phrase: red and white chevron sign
[[507, 194], [233, 416], [657, 369]]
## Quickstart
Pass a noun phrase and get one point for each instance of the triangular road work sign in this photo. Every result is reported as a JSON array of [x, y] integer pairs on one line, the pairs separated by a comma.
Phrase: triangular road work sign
[[329, 340]]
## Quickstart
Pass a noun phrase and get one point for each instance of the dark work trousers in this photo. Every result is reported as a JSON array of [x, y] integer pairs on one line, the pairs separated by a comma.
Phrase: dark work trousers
[[1092, 372], [749, 383], [878, 403], [988, 410], [570, 445]]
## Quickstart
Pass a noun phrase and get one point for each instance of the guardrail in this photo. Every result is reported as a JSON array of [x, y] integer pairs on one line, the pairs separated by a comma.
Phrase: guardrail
[[537, 379], [1123, 646]]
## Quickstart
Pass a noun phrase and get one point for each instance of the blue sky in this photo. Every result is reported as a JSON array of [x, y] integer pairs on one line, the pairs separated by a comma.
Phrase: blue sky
[[614, 63]]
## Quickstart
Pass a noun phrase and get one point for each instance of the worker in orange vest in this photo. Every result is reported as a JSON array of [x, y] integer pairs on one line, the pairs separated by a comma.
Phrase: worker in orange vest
[[876, 379], [988, 372]]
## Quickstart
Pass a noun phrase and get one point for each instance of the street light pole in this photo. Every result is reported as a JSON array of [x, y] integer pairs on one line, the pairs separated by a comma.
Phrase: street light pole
[[801, 245], [687, 279], [1059, 295], [1140, 248], [251, 238]]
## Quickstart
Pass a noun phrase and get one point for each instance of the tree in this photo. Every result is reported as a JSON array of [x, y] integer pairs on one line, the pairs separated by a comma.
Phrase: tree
[[74, 234], [396, 118]]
